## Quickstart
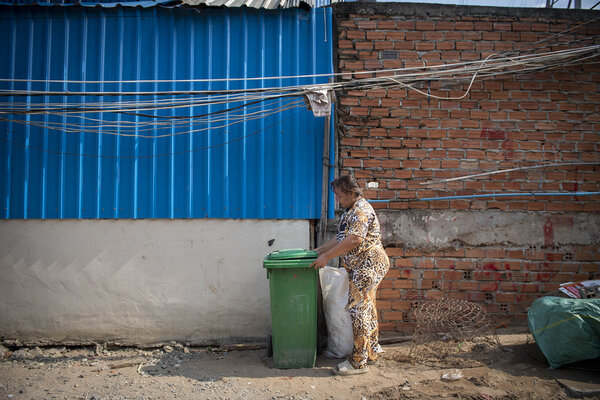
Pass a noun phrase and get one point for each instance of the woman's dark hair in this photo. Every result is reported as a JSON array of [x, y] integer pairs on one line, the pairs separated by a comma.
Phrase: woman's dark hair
[[346, 184]]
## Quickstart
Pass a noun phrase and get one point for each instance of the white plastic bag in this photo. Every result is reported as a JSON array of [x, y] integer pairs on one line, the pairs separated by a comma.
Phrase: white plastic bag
[[453, 375], [334, 287]]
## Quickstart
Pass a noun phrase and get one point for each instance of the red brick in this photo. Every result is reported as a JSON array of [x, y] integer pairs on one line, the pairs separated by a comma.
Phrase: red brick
[[425, 263], [387, 327], [424, 26], [475, 253], [444, 26], [453, 275], [488, 287], [404, 284], [355, 34], [508, 287], [464, 26], [495, 253], [485, 276], [475, 296], [351, 163], [505, 298], [384, 305], [388, 294], [433, 294], [386, 284], [530, 288], [401, 305], [392, 315], [465, 265], [404, 262]]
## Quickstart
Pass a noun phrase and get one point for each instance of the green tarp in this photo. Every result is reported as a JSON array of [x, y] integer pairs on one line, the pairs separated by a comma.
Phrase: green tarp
[[566, 330]]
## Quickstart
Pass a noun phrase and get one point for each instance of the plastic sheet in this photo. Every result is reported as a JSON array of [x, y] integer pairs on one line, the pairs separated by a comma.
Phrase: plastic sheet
[[566, 330], [334, 287]]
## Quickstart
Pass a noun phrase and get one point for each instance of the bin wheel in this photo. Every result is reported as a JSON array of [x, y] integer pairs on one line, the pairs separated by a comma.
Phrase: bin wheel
[[270, 346]]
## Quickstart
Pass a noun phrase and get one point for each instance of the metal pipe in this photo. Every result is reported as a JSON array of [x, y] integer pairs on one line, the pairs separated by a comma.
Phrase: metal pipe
[[481, 196], [500, 171]]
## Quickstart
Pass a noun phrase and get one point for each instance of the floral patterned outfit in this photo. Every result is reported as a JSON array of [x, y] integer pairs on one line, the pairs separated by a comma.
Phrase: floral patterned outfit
[[366, 264]]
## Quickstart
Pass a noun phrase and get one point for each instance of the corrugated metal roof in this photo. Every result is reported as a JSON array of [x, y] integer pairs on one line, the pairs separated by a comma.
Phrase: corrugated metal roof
[[264, 4], [260, 168], [268, 4], [97, 3]]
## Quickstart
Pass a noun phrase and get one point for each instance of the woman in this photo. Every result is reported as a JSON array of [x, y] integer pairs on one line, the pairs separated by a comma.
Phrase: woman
[[358, 242]]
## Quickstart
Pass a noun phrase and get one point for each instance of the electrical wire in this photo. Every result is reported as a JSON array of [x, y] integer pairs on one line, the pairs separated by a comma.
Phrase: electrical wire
[[254, 102], [451, 73], [502, 171], [446, 98], [138, 157], [186, 132], [560, 34], [455, 74], [450, 70], [93, 129], [155, 120]]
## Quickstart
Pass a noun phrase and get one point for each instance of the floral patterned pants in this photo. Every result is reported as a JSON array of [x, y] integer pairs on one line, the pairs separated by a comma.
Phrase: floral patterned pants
[[364, 281]]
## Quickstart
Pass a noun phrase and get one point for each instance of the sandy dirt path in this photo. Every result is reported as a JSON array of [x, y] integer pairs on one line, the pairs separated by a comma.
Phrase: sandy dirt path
[[177, 372]]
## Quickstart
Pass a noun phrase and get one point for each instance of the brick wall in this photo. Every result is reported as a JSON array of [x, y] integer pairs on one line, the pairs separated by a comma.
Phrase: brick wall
[[505, 279], [400, 138]]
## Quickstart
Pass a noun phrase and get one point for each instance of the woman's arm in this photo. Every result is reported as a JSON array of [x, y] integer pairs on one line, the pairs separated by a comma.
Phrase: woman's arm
[[327, 246], [347, 244]]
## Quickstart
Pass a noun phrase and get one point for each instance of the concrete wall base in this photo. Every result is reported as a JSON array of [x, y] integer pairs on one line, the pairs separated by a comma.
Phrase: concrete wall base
[[139, 282]]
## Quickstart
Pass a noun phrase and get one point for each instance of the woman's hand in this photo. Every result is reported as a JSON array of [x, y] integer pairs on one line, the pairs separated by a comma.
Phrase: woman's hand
[[320, 262], [327, 246], [338, 248]]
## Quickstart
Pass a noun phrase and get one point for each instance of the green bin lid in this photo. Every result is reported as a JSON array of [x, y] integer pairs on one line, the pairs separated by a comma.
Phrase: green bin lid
[[292, 254]]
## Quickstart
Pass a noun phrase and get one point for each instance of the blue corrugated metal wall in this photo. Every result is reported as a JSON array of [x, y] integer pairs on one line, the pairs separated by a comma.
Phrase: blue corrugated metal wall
[[265, 168]]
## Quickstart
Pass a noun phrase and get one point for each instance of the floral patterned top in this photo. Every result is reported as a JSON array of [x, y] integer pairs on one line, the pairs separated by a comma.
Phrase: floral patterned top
[[359, 220]]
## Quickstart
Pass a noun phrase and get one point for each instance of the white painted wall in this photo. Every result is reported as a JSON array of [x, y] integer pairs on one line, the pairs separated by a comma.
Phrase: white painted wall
[[139, 281]]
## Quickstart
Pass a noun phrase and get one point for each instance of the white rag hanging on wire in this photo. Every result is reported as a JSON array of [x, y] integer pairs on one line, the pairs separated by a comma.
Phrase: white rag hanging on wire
[[319, 101]]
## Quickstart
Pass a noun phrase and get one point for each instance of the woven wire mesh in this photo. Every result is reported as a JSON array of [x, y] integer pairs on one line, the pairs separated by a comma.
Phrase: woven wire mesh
[[452, 332]]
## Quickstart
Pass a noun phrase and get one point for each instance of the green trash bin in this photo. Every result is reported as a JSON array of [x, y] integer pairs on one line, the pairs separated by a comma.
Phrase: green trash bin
[[293, 289]]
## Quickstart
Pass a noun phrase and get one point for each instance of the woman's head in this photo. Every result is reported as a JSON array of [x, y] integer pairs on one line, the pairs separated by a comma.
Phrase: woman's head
[[346, 184], [346, 189]]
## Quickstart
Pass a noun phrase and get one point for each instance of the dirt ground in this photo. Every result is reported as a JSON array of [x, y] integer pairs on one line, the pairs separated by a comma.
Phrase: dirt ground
[[518, 371]]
